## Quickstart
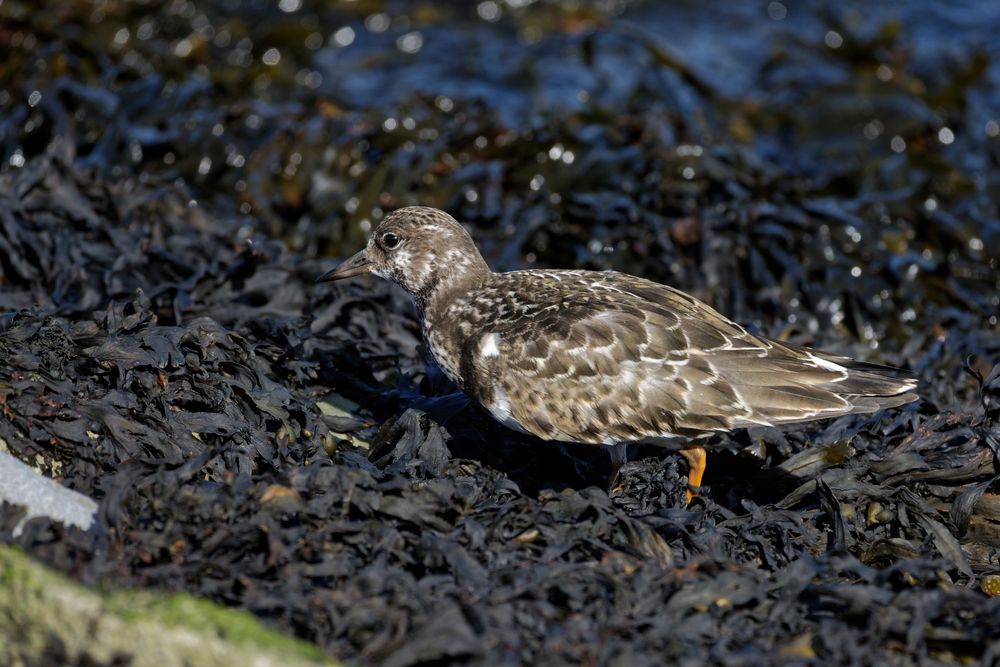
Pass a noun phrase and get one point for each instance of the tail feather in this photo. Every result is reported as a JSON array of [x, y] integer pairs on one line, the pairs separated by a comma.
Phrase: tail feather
[[882, 386], [859, 388]]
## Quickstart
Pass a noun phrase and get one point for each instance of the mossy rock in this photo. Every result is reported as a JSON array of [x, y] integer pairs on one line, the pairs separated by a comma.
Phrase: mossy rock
[[46, 619]]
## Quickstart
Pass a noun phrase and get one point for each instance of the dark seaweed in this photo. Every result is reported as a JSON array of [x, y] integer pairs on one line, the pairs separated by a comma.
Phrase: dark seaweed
[[175, 175]]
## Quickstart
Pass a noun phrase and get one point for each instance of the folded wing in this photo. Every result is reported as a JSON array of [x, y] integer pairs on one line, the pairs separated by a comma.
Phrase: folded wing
[[632, 360]]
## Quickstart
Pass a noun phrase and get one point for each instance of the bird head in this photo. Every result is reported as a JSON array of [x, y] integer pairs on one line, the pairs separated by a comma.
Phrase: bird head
[[420, 249]]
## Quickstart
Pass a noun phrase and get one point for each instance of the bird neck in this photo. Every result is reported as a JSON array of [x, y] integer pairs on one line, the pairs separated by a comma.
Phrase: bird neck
[[451, 284]]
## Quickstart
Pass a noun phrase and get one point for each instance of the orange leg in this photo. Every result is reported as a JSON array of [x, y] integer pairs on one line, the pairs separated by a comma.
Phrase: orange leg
[[697, 462]]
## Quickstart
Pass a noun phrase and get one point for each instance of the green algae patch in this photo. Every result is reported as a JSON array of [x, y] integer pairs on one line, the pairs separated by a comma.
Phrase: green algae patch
[[47, 619]]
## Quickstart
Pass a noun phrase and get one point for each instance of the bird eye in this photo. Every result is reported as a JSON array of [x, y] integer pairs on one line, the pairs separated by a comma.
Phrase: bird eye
[[390, 240]]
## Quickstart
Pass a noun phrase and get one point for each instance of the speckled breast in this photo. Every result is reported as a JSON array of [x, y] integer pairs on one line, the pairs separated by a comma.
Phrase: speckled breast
[[446, 355]]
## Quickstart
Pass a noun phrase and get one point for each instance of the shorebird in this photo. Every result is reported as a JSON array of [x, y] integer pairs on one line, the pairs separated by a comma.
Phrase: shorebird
[[605, 358]]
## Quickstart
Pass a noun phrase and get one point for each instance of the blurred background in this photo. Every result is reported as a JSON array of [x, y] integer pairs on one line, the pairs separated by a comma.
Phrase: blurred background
[[799, 165]]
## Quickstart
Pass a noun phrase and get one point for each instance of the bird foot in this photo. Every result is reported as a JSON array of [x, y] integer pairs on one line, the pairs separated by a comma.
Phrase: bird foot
[[697, 460]]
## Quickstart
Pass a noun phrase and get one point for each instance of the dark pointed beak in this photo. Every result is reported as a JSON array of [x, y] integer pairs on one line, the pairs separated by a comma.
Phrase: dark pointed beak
[[355, 266]]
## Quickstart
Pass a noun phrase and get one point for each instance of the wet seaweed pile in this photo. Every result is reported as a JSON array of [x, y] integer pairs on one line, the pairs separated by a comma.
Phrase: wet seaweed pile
[[175, 176]]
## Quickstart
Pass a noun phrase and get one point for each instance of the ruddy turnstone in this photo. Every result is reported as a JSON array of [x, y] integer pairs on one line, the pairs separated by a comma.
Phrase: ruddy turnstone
[[605, 358]]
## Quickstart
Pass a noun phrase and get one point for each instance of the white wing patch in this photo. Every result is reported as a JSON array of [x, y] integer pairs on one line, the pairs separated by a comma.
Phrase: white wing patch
[[827, 365], [500, 408], [489, 347]]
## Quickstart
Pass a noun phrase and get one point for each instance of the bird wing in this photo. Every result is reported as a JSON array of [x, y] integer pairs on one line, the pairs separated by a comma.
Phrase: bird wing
[[620, 359]]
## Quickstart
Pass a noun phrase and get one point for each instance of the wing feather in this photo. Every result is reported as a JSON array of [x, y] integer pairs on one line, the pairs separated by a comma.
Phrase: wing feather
[[627, 359]]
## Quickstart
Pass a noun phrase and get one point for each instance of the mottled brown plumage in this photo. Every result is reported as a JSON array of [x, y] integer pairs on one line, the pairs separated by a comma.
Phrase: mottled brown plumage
[[604, 357]]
